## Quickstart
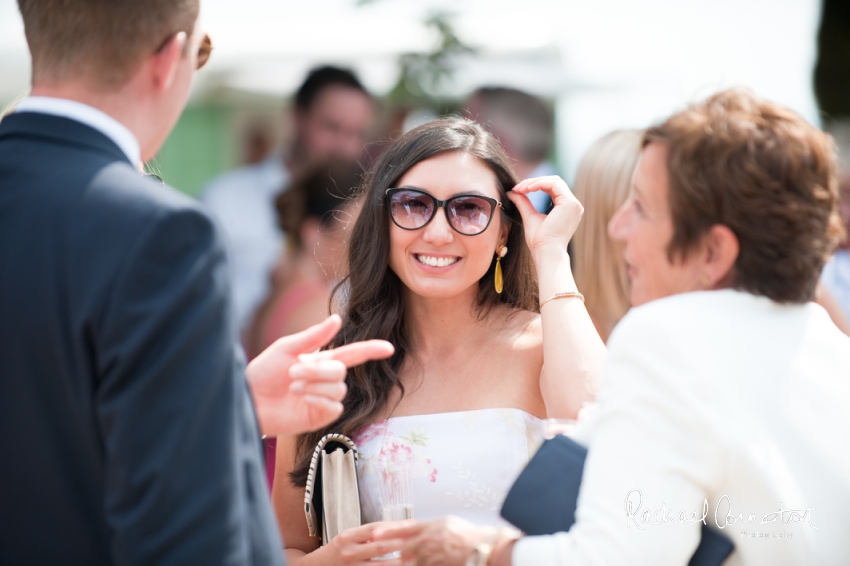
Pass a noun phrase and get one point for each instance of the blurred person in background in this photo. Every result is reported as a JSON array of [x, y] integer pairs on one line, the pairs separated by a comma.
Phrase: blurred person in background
[[331, 116], [127, 429], [725, 394], [524, 126], [314, 213], [257, 144], [447, 260], [603, 183]]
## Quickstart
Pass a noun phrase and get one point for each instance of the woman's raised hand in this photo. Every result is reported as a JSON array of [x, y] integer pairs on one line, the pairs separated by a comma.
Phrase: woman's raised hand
[[556, 228]]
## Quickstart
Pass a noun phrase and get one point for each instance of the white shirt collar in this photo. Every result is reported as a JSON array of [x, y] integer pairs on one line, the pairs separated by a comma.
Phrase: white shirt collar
[[85, 114]]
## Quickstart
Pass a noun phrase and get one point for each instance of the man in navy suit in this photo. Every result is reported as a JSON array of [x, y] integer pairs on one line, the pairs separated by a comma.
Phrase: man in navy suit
[[127, 429]]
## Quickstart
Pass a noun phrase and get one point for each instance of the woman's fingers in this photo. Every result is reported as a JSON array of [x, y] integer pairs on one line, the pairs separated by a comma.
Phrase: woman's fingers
[[560, 224], [547, 184], [371, 532], [531, 219], [523, 186], [360, 544], [526, 209], [368, 550], [552, 185], [398, 530]]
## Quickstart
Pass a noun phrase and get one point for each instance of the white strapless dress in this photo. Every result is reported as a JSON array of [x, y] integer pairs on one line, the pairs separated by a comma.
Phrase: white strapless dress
[[462, 463]]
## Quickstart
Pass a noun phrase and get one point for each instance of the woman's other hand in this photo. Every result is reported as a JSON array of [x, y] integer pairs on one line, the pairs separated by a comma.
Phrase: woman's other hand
[[447, 542], [547, 230], [359, 545]]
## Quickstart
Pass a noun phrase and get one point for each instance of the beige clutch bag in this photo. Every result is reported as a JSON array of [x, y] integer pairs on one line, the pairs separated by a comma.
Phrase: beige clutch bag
[[332, 497]]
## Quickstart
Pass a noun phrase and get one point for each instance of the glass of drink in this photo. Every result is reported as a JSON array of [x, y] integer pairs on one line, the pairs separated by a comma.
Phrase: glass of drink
[[396, 495]]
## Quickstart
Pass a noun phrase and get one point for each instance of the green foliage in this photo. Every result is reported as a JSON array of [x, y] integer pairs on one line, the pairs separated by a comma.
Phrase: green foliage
[[424, 75]]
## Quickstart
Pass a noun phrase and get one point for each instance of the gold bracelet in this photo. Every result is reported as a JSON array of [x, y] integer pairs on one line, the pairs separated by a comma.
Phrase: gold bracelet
[[482, 551], [480, 555], [568, 295]]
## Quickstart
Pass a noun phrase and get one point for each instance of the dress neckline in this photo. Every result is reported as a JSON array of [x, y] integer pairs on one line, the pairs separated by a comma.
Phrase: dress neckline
[[448, 413]]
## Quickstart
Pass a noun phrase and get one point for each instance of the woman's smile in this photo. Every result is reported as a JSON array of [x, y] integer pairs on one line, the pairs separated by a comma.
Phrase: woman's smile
[[440, 262]]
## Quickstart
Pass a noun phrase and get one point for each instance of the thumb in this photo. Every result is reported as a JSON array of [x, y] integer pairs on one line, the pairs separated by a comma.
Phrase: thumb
[[523, 204], [311, 339]]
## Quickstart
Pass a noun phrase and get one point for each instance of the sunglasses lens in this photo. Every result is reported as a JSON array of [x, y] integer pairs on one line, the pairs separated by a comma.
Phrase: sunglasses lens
[[470, 215], [204, 51], [411, 209]]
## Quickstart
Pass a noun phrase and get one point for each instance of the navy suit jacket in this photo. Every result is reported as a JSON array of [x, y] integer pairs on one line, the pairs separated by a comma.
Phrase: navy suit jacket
[[127, 431]]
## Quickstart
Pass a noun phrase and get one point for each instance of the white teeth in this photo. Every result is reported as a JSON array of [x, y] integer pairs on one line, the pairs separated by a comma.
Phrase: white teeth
[[436, 261]]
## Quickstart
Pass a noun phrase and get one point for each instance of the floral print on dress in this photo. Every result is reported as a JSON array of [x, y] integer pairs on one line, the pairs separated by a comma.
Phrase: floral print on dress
[[366, 462], [413, 446], [369, 432], [410, 447], [461, 463]]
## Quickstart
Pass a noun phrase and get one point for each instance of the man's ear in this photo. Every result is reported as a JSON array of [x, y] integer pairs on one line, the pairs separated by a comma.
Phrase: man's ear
[[721, 253], [164, 63]]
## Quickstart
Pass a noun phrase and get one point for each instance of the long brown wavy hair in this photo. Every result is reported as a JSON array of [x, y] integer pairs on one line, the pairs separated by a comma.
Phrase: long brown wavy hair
[[372, 293]]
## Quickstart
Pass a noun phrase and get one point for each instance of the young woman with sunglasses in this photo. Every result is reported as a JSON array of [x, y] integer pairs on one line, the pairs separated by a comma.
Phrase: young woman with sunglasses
[[450, 262]]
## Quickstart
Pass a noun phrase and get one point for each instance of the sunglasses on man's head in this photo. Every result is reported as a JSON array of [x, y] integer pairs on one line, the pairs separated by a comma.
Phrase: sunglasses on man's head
[[412, 209], [204, 50]]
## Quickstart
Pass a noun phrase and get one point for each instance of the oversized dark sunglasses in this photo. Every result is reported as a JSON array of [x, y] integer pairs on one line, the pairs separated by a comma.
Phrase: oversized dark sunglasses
[[469, 215]]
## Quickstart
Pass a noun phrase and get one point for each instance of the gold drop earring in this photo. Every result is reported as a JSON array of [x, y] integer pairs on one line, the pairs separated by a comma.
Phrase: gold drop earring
[[498, 279]]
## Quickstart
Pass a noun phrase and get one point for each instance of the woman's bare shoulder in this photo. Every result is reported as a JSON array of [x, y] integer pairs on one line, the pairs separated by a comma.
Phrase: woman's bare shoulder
[[523, 329]]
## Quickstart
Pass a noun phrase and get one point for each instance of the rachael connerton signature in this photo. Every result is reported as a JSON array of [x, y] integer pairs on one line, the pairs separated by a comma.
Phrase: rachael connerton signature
[[723, 515]]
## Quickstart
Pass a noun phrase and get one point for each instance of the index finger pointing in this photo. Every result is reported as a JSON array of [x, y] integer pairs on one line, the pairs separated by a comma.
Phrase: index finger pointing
[[354, 354]]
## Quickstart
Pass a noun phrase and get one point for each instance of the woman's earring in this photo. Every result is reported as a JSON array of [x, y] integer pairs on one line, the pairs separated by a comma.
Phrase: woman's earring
[[705, 281], [498, 279]]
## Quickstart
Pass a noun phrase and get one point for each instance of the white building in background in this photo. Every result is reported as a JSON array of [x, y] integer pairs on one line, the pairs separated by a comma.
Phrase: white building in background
[[607, 63], [632, 63]]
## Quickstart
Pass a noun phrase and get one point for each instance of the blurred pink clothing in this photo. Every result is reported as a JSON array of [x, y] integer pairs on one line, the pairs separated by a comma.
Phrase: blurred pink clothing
[[283, 311]]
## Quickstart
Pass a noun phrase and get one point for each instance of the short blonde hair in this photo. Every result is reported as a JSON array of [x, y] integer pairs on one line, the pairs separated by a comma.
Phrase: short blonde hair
[[602, 185]]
